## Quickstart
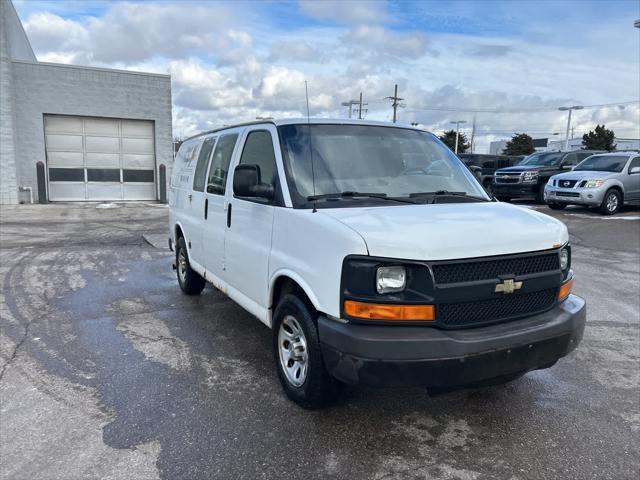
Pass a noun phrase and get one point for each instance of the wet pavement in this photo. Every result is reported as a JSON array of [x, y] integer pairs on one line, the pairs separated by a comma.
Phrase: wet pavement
[[108, 371]]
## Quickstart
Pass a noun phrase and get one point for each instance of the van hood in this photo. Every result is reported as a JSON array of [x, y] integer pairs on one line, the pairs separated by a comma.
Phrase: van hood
[[451, 230]]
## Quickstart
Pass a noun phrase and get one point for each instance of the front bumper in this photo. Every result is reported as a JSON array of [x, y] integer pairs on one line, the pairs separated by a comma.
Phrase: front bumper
[[582, 196], [515, 190], [426, 356]]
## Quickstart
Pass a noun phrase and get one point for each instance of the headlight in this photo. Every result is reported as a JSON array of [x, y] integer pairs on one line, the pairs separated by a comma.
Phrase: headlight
[[564, 259], [391, 279], [530, 177], [593, 183]]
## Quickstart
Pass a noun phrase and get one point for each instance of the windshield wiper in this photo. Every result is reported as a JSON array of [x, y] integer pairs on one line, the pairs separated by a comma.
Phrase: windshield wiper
[[350, 194], [445, 193]]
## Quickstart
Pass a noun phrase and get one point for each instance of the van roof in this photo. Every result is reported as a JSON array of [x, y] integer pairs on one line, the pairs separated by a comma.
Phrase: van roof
[[303, 120]]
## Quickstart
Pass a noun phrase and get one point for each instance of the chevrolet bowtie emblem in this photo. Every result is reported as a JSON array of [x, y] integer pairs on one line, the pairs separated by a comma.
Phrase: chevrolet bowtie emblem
[[508, 286]]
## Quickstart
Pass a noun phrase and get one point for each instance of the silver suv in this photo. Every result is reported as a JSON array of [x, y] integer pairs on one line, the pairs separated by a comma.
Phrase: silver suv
[[605, 181]]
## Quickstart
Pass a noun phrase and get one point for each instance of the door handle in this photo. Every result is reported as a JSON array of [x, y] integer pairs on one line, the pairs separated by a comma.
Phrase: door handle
[[189, 197], [206, 207], [229, 216]]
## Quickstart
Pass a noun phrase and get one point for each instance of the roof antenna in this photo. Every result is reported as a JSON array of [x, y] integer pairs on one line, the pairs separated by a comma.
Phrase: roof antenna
[[313, 173]]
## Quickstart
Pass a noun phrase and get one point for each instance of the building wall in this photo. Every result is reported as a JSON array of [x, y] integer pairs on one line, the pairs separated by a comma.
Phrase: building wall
[[44, 88], [576, 144], [13, 45]]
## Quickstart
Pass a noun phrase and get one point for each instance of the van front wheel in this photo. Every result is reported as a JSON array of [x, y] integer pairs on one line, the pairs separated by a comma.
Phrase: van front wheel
[[298, 355], [190, 282]]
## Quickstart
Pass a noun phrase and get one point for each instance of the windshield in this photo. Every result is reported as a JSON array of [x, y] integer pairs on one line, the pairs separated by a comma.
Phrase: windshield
[[395, 162], [602, 163], [545, 159]]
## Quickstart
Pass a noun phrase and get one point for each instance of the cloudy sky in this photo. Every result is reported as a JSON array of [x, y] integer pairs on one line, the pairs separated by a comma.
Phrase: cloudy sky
[[509, 64]]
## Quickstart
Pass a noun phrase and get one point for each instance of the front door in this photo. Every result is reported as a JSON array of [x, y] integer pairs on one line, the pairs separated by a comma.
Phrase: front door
[[250, 222], [215, 222], [632, 182]]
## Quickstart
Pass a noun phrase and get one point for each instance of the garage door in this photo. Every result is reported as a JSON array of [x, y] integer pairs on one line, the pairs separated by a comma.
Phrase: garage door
[[99, 158]]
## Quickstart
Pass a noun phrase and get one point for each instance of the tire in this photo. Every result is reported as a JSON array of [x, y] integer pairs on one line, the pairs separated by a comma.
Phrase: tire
[[305, 380], [189, 280], [611, 203], [557, 206], [504, 199]]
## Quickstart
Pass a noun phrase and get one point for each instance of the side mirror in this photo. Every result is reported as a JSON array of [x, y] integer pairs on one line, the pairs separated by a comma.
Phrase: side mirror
[[247, 183], [567, 166]]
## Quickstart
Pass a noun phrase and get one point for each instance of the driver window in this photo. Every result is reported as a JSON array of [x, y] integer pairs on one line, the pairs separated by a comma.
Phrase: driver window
[[258, 150], [570, 159]]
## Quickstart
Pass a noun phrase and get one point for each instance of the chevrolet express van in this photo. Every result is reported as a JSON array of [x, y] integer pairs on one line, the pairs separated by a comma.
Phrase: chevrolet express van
[[373, 254]]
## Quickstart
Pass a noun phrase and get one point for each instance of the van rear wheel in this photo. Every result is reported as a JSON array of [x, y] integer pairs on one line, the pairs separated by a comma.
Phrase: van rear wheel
[[298, 355], [189, 280]]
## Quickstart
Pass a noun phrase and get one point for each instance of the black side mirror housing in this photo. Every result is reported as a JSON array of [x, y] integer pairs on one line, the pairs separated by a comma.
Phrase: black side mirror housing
[[247, 183]]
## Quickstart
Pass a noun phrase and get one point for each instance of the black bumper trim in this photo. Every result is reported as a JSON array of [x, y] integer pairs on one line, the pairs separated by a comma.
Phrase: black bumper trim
[[427, 356]]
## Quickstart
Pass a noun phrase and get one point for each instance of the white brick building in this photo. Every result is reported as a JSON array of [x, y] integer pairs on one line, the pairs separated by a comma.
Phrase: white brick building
[[100, 134]]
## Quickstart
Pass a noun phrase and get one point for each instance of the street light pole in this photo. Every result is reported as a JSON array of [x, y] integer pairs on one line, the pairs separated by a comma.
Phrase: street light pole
[[564, 109], [457, 123]]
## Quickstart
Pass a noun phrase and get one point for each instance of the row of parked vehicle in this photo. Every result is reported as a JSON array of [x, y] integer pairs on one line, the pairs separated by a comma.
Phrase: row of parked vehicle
[[605, 180]]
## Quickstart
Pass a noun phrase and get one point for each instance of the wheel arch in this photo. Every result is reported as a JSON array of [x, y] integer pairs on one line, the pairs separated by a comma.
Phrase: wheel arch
[[287, 281]]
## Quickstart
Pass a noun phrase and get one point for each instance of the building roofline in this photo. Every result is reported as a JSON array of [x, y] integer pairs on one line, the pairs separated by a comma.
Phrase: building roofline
[[98, 69]]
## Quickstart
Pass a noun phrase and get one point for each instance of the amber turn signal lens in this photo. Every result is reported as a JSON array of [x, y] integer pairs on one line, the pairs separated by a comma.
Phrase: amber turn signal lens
[[565, 289], [377, 311]]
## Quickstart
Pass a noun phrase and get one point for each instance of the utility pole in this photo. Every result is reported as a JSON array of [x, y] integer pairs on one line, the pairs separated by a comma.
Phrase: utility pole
[[573, 132], [457, 123], [360, 109], [351, 103], [570, 109], [395, 102], [473, 133]]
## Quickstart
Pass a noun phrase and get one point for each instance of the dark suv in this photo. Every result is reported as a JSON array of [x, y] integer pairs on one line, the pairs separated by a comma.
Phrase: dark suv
[[528, 178], [484, 166]]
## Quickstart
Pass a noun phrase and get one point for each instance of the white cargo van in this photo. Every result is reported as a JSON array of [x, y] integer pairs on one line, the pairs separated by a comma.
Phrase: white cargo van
[[373, 254]]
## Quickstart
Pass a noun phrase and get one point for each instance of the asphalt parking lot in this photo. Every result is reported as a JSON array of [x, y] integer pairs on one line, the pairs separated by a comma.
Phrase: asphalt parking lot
[[108, 371]]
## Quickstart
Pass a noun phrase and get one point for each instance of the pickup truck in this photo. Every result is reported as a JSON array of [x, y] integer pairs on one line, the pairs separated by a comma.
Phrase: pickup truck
[[488, 164], [528, 178], [373, 255]]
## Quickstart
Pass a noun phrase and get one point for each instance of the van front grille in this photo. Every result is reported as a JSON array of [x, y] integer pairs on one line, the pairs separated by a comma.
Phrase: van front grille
[[492, 269], [467, 314]]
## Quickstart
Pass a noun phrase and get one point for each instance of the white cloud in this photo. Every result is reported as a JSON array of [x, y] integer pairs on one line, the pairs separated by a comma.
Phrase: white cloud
[[345, 11], [230, 65]]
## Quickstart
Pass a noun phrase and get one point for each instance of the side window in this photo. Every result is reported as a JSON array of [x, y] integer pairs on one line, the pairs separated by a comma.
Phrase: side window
[[634, 163], [258, 150], [203, 161], [570, 159], [220, 164]]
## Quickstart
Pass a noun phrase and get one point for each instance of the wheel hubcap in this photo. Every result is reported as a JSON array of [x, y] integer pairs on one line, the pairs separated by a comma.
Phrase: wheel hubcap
[[612, 202], [292, 350], [182, 266]]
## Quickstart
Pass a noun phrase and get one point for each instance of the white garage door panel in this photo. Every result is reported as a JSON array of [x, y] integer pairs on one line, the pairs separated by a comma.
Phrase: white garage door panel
[[65, 159], [133, 128], [63, 191], [102, 144], [130, 160], [65, 143], [139, 191], [103, 160], [99, 158], [63, 124], [101, 126], [137, 145], [104, 191]]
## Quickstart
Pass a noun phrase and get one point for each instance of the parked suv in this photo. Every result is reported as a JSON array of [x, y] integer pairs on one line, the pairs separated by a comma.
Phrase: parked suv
[[605, 181], [528, 178], [373, 254], [488, 164]]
